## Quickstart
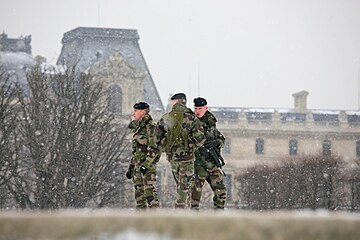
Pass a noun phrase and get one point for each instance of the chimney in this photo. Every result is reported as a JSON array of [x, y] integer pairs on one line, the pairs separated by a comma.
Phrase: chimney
[[300, 101]]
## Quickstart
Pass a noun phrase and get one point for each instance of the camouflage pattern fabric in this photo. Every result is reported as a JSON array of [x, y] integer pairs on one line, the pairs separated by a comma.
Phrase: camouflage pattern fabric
[[183, 172], [181, 145], [145, 153], [179, 133], [145, 191], [205, 168], [213, 176]]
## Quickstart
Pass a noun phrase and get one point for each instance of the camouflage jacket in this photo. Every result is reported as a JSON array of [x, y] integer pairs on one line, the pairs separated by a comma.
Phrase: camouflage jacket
[[144, 149], [212, 135], [179, 133]]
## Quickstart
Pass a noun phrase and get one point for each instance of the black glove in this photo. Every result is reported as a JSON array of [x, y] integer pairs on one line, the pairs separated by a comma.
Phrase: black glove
[[143, 169], [211, 144], [130, 171], [203, 150]]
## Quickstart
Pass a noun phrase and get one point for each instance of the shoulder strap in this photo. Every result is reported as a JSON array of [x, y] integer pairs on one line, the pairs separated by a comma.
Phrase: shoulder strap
[[175, 129]]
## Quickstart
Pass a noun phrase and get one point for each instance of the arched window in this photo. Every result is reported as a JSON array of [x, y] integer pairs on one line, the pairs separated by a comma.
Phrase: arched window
[[115, 99], [358, 148], [227, 146], [259, 146], [228, 185], [327, 148], [293, 147]]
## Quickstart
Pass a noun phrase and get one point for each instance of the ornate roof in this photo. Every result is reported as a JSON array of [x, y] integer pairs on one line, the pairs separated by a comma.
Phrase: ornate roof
[[84, 46]]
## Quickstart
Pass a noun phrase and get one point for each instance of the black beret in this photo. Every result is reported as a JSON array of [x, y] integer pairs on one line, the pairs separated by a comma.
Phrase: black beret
[[141, 105], [199, 102], [178, 96]]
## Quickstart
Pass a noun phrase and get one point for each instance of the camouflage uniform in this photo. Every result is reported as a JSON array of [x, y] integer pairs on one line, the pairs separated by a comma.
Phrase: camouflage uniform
[[179, 133], [146, 154], [205, 168]]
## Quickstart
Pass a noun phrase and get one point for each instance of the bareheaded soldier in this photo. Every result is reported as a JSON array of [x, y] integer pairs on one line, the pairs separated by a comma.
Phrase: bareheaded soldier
[[145, 155], [205, 166], [179, 134]]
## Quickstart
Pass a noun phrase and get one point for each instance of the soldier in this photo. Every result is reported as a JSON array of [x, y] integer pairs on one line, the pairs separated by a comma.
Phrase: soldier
[[179, 133], [145, 155], [205, 165]]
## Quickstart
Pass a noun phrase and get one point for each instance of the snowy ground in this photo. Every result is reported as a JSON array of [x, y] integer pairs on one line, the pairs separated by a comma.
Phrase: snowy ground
[[171, 224]]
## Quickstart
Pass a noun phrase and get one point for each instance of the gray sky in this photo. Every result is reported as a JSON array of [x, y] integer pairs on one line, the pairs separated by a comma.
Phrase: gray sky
[[245, 53]]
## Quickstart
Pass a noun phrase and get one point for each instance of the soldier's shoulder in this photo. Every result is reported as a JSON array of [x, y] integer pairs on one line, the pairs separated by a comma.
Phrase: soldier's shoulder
[[190, 115], [133, 125], [163, 118], [211, 118]]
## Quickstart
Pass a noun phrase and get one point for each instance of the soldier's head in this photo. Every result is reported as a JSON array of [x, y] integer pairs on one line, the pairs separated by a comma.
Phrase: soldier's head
[[200, 106], [140, 110], [178, 98]]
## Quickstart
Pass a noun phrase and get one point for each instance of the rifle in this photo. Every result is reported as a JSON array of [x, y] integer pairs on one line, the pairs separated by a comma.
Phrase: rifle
[[210, 147]]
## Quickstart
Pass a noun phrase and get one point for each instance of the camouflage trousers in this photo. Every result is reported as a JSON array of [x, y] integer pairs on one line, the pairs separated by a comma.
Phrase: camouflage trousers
[[213, 176], [145, 188], [183, 172]]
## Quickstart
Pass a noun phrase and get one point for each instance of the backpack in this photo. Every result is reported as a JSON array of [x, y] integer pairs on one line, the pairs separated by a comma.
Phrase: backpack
[[177, 135]]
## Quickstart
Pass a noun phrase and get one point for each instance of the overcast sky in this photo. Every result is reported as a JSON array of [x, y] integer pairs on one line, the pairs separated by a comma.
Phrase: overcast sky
[[235, 53]]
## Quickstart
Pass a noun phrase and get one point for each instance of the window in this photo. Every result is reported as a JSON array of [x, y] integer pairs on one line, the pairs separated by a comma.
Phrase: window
[[326, 148], [227, 146], [158, 184], [228, 185], [358, 148], [114, 99], [293, 146], [259, 146]]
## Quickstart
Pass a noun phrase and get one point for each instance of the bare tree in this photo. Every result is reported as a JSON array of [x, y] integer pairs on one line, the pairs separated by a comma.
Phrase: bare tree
[[8, 124], [72, 146], [354, 180], [302, 182]]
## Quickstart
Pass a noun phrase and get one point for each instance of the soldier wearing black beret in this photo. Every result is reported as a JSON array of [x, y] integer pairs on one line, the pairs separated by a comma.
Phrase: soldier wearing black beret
[[206, 169], [200, 102], [179, 133], [178, 96], [141, 105], [145, 155]]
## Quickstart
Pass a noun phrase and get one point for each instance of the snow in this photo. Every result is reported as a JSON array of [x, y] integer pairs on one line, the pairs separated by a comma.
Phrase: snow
[[166, 224], [18, 58], [132, 234], [52, 69]]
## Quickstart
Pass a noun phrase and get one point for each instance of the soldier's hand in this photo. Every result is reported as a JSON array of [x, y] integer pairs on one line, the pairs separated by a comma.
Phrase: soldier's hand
[[143, 169], [203, 150], [130, 171], [212, 144]]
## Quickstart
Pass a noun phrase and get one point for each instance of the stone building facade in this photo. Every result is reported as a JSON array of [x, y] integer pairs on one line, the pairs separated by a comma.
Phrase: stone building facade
[[113, 57], [22, 44], [16, 58], [266, 135]]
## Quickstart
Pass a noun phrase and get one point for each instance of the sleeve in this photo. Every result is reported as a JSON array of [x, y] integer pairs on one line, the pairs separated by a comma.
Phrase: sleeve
[[220, 138], [159, 135], [153, 151], [133, 125]]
